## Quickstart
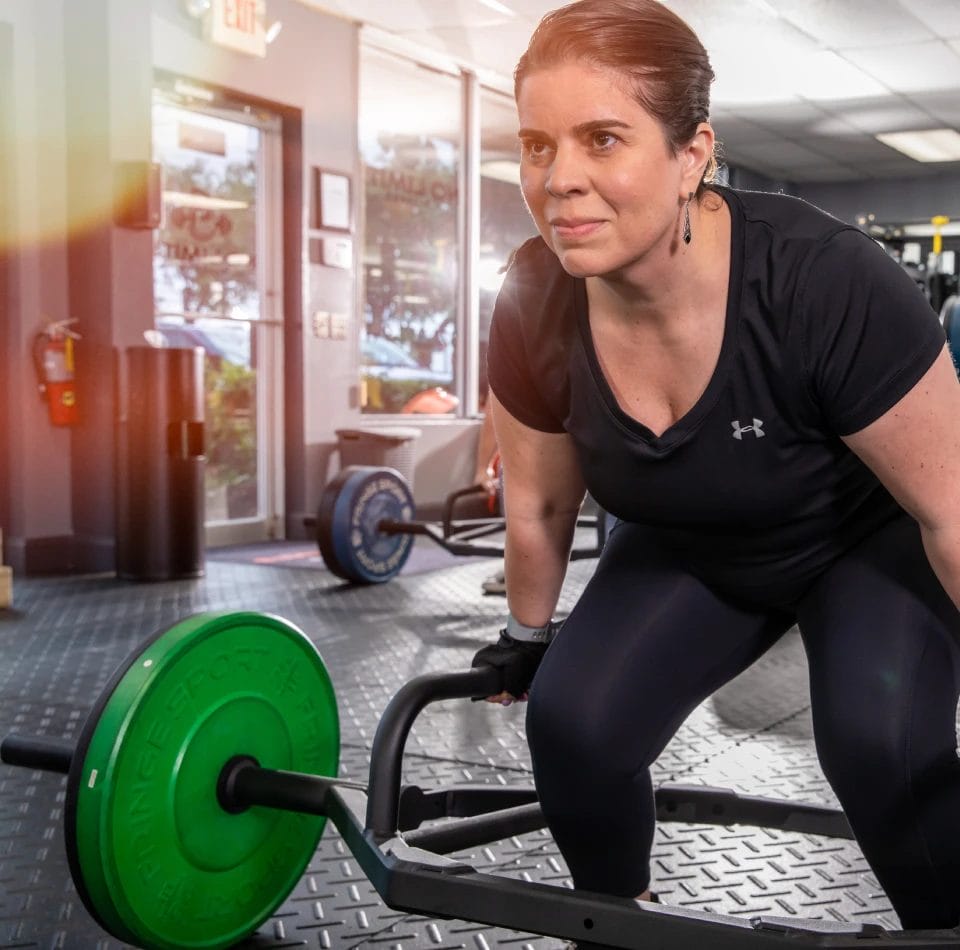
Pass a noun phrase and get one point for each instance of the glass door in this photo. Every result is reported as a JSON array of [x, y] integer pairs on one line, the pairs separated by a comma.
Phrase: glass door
[[216, 269]]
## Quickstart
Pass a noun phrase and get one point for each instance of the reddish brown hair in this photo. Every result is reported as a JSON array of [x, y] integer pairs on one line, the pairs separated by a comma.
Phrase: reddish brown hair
[[660, 57]]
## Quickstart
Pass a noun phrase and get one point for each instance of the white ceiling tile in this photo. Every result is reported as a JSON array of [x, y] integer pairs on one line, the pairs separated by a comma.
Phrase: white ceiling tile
[[784, 154], [914, 67], [465, 14], [396, 14], [854, 23], [733, 128], [941, 17], [860, 150], [889, 114], [532, 9], [742, 27], [783, 118], [943, 107], [496, 47]]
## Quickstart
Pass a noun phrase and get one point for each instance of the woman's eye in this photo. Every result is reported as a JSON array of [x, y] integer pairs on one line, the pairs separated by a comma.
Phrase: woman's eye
[[603, 139], [533, 149]]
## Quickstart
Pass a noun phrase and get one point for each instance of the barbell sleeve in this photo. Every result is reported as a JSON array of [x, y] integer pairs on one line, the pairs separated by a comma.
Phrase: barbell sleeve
[[37, 752]]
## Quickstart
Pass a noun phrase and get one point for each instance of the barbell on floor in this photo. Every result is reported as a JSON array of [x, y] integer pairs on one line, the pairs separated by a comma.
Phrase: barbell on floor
[[365, 526], [203, 777]]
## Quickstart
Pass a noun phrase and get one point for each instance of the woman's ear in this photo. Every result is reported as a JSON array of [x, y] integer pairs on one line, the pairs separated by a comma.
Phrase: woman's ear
[[694, 157]]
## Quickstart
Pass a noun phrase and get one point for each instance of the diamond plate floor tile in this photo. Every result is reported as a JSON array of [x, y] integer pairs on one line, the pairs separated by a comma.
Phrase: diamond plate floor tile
[[61, 643]]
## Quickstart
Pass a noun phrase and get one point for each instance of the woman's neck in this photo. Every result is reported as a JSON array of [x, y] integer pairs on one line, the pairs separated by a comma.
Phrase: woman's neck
[[663, 291]]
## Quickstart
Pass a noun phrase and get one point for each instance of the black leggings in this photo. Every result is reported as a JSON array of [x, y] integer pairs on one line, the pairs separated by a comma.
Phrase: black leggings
[[647, 642]]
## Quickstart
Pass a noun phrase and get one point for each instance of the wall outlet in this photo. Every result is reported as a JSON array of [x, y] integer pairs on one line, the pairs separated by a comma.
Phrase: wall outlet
[[321, 324], [338, 326]]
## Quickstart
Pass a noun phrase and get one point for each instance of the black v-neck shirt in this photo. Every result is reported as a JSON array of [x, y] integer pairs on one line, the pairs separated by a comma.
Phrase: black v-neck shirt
[[824, 333]]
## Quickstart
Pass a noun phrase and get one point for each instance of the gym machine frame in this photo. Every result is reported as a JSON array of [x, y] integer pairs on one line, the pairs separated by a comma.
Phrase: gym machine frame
[[410, 872]]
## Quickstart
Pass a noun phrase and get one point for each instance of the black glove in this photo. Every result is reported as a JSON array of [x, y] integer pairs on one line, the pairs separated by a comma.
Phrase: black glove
[[517, 660]]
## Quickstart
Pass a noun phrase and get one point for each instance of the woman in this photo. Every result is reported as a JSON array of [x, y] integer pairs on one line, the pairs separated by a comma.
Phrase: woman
[[764, 400]]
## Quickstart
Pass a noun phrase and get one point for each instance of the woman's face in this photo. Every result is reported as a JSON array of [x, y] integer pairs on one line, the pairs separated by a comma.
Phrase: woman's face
[[601, 181]]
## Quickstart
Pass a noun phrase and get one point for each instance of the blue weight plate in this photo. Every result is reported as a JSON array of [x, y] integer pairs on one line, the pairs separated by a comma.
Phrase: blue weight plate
[[367, 496], [328, 502]]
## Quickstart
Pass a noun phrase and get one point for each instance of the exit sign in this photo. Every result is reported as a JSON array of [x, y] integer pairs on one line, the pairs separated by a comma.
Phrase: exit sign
[[239, 25]]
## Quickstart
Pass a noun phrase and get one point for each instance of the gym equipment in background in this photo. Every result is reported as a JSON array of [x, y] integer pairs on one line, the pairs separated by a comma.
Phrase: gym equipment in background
[[365, 525]]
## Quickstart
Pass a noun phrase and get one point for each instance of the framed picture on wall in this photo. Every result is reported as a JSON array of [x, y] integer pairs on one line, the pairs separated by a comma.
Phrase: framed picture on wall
[[331, 200]]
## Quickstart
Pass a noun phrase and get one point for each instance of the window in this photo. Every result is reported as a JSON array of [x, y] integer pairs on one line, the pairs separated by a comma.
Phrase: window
[[505, 222], [410, 148]]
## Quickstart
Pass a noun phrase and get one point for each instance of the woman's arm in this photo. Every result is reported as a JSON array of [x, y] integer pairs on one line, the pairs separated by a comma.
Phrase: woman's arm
[[914, 449], [486, 446], [543, 492]]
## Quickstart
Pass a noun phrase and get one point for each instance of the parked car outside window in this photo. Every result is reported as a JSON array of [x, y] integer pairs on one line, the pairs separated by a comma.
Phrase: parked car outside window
[[393, 381]]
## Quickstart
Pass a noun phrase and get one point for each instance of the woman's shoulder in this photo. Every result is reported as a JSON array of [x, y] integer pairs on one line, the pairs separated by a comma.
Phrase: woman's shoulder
[[786, 215]]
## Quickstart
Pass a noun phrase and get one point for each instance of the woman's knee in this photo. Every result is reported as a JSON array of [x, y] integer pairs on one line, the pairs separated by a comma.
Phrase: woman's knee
[[883, 746], [557, 729]]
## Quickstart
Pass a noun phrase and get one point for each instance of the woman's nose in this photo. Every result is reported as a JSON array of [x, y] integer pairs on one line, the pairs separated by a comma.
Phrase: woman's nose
[[566, 173]]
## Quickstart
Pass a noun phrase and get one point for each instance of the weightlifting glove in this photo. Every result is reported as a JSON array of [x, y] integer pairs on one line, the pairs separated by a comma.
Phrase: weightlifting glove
[[517, 660]]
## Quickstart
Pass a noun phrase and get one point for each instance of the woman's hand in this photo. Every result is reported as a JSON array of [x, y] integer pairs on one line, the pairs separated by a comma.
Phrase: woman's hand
[[517, 661]]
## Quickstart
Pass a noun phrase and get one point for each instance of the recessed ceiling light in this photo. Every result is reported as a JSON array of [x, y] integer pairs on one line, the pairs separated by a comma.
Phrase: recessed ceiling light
[[930, 145]]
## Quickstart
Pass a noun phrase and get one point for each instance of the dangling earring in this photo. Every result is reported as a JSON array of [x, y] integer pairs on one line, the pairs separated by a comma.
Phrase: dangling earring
[[686, 219]]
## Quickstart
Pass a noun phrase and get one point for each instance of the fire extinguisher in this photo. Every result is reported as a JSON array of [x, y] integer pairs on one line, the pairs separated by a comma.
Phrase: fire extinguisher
[[53, 357]]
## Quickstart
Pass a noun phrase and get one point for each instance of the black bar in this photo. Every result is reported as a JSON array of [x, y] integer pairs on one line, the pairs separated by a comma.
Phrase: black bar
[[290, 791], [704, 804], [480, 829], [36, 752], [458, 801], [391, 735], [447, 520]]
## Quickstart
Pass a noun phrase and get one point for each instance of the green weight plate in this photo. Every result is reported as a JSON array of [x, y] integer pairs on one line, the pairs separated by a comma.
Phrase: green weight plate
[[155, 858]]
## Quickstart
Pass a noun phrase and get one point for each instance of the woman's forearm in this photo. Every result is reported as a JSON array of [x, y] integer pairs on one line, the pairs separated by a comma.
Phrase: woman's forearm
[[535, 562]]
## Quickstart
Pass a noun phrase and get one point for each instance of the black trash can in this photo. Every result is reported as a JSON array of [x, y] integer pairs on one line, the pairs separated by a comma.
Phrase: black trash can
[[160, 445]]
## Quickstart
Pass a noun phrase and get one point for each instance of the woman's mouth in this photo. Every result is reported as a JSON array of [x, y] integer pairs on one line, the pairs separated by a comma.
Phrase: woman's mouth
[[573, 228]]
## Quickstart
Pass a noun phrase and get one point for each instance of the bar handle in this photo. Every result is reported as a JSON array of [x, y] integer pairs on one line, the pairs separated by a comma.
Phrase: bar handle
[[37, 752]]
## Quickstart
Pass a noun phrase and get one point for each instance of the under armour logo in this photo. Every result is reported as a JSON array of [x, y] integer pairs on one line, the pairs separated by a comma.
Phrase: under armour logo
[[756, 429]]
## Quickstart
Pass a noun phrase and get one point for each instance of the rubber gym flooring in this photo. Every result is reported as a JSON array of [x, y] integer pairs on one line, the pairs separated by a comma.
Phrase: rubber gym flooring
[[63, 638]]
